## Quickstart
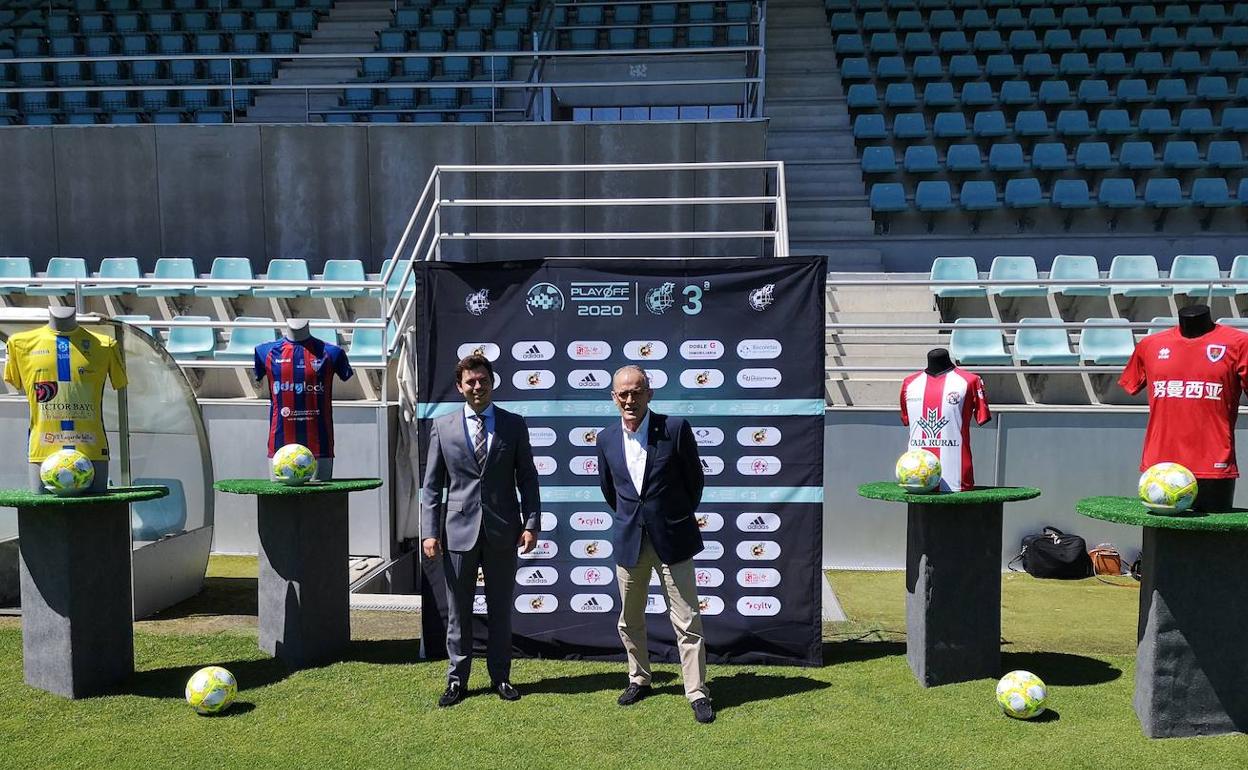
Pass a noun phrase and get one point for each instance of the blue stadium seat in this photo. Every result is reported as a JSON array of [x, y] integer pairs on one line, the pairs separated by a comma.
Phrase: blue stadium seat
[[183, 71], [302, 21], [989, 124], [242, 342], [260, 70], [1106, 341], [1114, 122], [1203, 37], [1001, 65], [1235, 120], [457, 68], [1137, 156], [376, 70], [888, 197], [921, 159], [1172, 91], [1150, 63], [1137, 267], [973, 345], [358, 98], [900, 95], [171, 268], [862, 96], [883, 43], [342, 270], [1038, 65], [1072, 267], [910, 125], [1202, 268], [1181, 155], [1155, 121], [1074, 64], [1015, 93], [60, 267], [1197, 120], [1073, 123], [1164, 37], [191, 341], [977, 94], [1211, 193], [1054, 93], [417, 69], [394, 283], [1112, 63], [1223, 155], [1213, 88], [126, 268], [1129, 39], [238, 268], [964, 67], [1023, 41], [1226, 62], [283, 42], [925, 68], [1187, 63], [1134, 91], [14, 267], [469, 40], [622, 38], [1023, 194], [950, 125], [988, 41], [1118, 194], [978, 195], [284, 270], [956, 269], [1163, 194], [1007, 157], [1041, 346], [1031, 123], [870, 127], [1049, 156], [938, 94], [878, 160], [1015, 269], [115, 101], [963, 158], [933, 196], [953, 42]]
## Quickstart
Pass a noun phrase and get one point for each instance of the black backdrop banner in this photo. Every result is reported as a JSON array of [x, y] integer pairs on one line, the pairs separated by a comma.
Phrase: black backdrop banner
[[733, 345]]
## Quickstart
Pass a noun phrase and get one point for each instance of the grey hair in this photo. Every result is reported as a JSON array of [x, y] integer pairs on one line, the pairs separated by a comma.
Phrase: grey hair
[[631, 368]]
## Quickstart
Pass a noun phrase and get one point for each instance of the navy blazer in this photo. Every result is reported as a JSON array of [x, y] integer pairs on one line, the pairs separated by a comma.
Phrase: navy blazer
[[669, 496]]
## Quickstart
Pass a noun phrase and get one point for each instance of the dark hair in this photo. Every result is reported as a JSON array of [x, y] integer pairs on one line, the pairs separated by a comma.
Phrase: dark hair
[[470, 362]]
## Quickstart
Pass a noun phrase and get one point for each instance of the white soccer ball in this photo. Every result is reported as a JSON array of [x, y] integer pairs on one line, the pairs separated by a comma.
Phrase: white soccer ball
[[294, 464], [211, 690], [1022, 695], [918, 471], [1167, 488], [66, 472]]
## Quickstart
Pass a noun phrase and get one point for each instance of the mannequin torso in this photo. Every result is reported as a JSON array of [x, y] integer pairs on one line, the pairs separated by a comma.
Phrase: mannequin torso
[[297, 329], [938, 362], [62, 320], [1195, 321]]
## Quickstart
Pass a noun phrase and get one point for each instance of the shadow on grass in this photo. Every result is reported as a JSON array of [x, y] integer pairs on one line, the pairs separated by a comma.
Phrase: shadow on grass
[[858, 650], [749, 687], [587, 683], [1061, 668], [1049, 715], [236, 709], [221, 596]]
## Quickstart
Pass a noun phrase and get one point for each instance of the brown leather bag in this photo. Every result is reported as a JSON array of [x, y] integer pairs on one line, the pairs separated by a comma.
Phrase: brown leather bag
[[1106, 560]]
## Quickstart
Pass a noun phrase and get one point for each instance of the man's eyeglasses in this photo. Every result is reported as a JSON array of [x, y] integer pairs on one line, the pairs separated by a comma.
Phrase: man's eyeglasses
[[628, 395]]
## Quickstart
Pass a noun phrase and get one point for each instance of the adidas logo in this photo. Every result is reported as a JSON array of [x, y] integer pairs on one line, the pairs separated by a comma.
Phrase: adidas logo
[[533, 351], [757, 524], [536, 578], [589, 381], [592, 604]]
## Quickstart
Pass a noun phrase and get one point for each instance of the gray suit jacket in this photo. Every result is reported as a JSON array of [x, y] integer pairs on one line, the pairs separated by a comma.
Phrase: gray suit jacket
[[479, 499]]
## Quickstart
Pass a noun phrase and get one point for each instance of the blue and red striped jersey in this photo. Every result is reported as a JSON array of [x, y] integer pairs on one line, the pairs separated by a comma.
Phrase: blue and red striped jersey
[[301, 386]]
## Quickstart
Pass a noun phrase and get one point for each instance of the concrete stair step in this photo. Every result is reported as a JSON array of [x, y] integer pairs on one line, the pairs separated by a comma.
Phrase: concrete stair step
[[862, 392], [829, 119], [823, 189], [316, 46], [840, 257], [823, 213], [830, 229], [876, 298], [800, 87], [909, 315], [320, 75]]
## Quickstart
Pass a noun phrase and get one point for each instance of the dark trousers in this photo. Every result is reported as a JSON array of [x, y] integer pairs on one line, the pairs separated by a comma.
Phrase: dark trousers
[[460, 568]]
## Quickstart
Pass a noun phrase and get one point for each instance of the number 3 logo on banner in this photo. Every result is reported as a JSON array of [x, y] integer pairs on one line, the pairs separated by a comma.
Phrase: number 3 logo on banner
[[694, 305]]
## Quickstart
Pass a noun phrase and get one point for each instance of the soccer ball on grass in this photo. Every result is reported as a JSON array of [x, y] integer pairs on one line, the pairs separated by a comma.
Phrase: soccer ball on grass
[[211, 690], [293, 464], [1167, 488], [66, 472], [918, 471], [1022, 695]]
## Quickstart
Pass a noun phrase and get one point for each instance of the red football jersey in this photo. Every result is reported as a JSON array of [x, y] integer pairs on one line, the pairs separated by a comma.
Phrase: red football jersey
[[942, 406], [1193, 399]]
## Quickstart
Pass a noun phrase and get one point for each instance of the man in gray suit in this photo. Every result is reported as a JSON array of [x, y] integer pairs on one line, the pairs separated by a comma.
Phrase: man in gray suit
[[480, 455]]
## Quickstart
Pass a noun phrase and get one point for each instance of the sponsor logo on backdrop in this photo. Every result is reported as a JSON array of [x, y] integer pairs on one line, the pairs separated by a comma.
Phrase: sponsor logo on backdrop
[[479, 606], [592, 576], [711, 550], [711, 465], [549, 521], [487, 349], [758, 465], [584, 465], [645, 350], [758, 605], [544, 549], [588, 350], [758, 522], [590, 549], [533, 379], [477, 302], [762, 297], [546, 466], [589, 379], [709, 522], [759, 349], [661, 298], [710, 605], [590, 521], [533, 350], [701, 378], [701, 350], [758, 550], [583, 436], [708, 577], [536, 603], [657, 378], [708, 436], [758, 577], [543, 298], [600, 298], [655, 605], [592, 603], [537, 576], [758, 435], [758, 378], [542, 436]]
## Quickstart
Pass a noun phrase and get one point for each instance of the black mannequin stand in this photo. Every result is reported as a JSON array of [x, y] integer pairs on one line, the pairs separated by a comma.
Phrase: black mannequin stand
[[1212, 495], [938, 362]]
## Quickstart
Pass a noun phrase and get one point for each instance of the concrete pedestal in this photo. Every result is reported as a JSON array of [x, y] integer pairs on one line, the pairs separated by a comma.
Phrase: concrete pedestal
[[953, 592]]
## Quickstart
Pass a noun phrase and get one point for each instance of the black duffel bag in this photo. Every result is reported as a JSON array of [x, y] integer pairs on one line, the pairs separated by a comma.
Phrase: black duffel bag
[[1055, 554]]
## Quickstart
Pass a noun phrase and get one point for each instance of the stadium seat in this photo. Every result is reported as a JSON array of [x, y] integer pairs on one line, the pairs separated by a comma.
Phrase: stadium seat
[[1181, 155], [989, 124], [870, 127], [242, 342], [1016, 93], [14, 267], [1197, 120], [933, 196], [1073, 123], [1163, 194], [238, 268], [1118, 194], [1155, 121], [1137, 156], [887, 197], [138, 321], [1073, 267], [953, 42], [342, 270], [1213, 88], [900, 95], [1150, 63], [1226, 62], [284, 270], [926, 68], [1106, 342], [963, 158], [950, 125], [1074, 64], [1044, 347], [1031, 123], [921, 159], [862, 96], [1136, 267], [1235, 120], [936, 95], [393, 284], [1001, 65], [1038, 65], [1015, 269], [60, 267], [1239, 271], [1055, 93], [1198, 267], [1023, 194], [964, 66], [1114, 122], [1071, 194], [1049, 156], [191, 341], [1211, 193], [910, 125], [1007, 157], [977, 94], [973, 345], [366, 344], [119, 268], [1111, 63], [956, 269]]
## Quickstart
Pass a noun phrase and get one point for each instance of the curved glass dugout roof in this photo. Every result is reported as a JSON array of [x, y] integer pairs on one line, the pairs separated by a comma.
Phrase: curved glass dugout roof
[[155, 432]]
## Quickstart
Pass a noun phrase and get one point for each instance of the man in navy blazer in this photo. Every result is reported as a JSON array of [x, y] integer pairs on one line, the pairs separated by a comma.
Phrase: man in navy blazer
[[651, 476]]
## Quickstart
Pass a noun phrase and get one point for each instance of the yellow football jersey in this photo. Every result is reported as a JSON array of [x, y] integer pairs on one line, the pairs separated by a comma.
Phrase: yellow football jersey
[[63, 377]]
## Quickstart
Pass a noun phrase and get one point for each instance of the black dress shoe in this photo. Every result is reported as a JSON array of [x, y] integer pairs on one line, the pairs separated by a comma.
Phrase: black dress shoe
[[454, 694], [633, 693], [506, 691], [702, 710]]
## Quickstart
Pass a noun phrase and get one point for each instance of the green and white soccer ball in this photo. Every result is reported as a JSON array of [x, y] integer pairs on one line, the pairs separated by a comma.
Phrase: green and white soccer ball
[[918, 471], [1022, 695], [66, 472], [1167, 488], [211, 690], [294, 464]]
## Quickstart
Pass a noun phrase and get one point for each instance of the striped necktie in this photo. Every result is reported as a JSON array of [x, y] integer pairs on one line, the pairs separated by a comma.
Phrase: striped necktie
[[478, 438]]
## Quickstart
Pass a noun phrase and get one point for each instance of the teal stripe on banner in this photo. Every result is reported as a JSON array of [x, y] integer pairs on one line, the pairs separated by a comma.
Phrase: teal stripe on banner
[[731, 407], [709, 494]]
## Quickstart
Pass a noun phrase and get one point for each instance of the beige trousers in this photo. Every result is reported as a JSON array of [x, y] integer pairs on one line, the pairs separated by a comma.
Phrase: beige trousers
[[681, 589]]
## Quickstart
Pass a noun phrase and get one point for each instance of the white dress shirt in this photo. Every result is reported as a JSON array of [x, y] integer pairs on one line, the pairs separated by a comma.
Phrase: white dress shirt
[[635, 450], [487, 424]]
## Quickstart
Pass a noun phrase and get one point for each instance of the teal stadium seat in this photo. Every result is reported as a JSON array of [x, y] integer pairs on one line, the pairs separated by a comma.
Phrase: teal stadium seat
[[285, 270], [191, 341], [171, 268], [126, 268], [14, 267], [243, 340], [1106, 342], [342, 270], [238, 268], [1139, 267], [394, 283], [956, 269], [60, 267], [973, 345], [1199, 267], [1239, 271], [138, 321], [1072, 267], [1043, 347], [1015, 269], [366, 344]]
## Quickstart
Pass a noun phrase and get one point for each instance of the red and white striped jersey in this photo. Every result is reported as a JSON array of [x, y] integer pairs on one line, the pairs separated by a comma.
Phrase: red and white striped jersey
[[938, 410]]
